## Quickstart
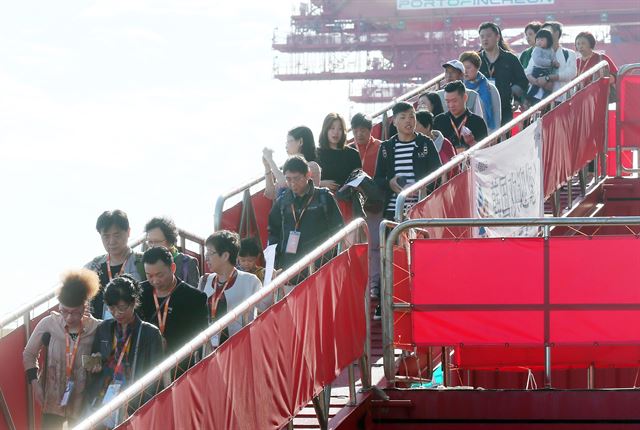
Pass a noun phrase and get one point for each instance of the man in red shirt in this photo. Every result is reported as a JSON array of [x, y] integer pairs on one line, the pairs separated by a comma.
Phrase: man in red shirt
[[368, 147], [366, 144]]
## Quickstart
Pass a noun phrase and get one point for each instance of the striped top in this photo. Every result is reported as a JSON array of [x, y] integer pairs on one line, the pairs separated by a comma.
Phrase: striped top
[[403, 166]]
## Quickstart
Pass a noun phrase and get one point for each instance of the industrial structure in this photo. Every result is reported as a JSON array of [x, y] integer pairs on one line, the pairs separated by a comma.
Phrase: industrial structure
[[387, 46]]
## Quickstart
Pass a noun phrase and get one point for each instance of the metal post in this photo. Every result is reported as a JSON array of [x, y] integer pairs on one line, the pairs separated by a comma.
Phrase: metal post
[[570, 193], [547, 366], [352, 385], [446, 371], [546, 230], [290, 425], [591, 377], [386, 301]]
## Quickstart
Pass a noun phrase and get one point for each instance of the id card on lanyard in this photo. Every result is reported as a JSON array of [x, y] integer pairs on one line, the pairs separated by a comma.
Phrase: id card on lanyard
[[458, 130], [116, 384], [162, 316], [215, 300], [106, 314], [294, 236], [70, 359]]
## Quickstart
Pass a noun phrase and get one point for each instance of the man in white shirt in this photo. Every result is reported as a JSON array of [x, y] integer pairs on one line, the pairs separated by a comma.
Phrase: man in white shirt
[[567, 59]]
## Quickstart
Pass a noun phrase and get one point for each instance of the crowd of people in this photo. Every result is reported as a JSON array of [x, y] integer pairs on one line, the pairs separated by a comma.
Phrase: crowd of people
[[125, 311]]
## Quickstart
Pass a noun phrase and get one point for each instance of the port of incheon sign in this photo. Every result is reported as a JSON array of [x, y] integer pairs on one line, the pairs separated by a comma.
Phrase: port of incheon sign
[[454, 4]]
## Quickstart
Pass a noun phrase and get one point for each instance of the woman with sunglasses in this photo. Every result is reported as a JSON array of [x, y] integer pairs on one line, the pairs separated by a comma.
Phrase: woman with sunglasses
[[124, 349], [66, 336]]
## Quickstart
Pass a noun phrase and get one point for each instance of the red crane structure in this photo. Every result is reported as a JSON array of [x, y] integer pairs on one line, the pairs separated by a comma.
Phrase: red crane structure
[[386, 46]]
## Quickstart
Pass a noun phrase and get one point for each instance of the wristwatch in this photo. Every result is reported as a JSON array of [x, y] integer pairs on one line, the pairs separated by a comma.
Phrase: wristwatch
[[547, 78]]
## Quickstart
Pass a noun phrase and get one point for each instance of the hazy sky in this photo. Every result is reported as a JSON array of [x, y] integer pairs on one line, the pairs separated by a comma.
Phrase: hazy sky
[[151, 106]]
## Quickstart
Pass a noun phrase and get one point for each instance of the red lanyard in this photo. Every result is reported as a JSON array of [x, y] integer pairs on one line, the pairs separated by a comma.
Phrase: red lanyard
[[71, 355], [121, 269], [458, 130], [293, 211], [217, 294], [125, 350], [162, 316]]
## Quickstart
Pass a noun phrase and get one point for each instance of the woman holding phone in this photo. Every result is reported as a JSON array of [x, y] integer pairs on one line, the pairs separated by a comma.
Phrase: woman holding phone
[[66, 335]]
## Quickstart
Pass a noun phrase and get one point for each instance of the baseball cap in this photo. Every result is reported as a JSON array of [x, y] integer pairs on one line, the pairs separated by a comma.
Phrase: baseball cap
[[456, 64]]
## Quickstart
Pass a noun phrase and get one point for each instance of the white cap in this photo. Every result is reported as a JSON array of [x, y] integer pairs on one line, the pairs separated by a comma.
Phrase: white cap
[[456, 64]]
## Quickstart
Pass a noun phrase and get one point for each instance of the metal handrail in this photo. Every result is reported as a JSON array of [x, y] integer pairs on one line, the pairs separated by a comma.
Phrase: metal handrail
[[387, 244], [602, 68], [624, 70], [246, 306], [222, 199]]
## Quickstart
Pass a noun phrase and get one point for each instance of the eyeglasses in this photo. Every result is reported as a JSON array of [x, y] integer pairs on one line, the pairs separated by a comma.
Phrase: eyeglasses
[[119, 309], [209, 253], [68, 313]]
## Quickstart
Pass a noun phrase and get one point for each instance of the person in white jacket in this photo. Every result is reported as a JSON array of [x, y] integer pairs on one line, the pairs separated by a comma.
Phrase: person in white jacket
[[568, 68]]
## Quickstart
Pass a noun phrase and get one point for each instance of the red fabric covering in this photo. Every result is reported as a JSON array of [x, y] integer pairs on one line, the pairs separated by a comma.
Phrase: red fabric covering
[[450, 200], [403, 337], [628, 96], [591, 299], [270, 370], [573, 133], [261, 206]]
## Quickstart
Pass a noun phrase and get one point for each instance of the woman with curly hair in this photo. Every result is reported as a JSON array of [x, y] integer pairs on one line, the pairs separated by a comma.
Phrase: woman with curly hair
[[66, 336]]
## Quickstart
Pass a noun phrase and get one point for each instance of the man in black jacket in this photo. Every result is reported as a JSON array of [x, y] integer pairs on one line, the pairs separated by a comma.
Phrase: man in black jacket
[[405, 158], [178, 310], [303, 217]]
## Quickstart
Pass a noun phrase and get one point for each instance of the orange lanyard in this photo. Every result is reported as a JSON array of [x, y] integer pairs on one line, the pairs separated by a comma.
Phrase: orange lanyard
[[125, 350], [162, 316], [458, 130], [71, 355], [293, 211], [217, 294], [121, 269]]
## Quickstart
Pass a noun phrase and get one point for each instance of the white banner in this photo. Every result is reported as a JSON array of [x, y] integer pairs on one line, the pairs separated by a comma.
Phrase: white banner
[[456, 4], [507, 182]]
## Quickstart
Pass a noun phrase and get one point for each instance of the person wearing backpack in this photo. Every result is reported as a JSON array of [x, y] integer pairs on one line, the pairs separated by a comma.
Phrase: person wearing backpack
[[567, 63], [162, 231], [303, 217], [114, 230]]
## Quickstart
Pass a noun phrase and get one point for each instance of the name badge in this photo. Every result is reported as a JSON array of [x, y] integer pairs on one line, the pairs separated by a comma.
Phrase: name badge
[[292, 242], [112, 390], [67, 394], [215, 340]]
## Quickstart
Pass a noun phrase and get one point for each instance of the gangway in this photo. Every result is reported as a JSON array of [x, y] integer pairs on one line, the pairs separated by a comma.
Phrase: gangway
[[246, 217]]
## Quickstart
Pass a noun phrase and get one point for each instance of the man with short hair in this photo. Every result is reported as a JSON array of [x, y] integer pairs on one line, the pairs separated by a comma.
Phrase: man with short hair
[[502, 67], [114, 230], [463, 128], [162, 231], [227, 287], [303, 217], [424, 125], [566, 58], [454, 71], [178, 310], [530, 34], [404, 159], [366, 145]]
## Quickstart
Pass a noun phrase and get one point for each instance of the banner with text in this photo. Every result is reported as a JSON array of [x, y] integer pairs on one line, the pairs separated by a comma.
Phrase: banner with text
[[507, 182], [456, 4]]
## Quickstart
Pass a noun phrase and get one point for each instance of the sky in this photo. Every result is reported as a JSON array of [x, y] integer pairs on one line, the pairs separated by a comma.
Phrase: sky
[[151, 106]]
